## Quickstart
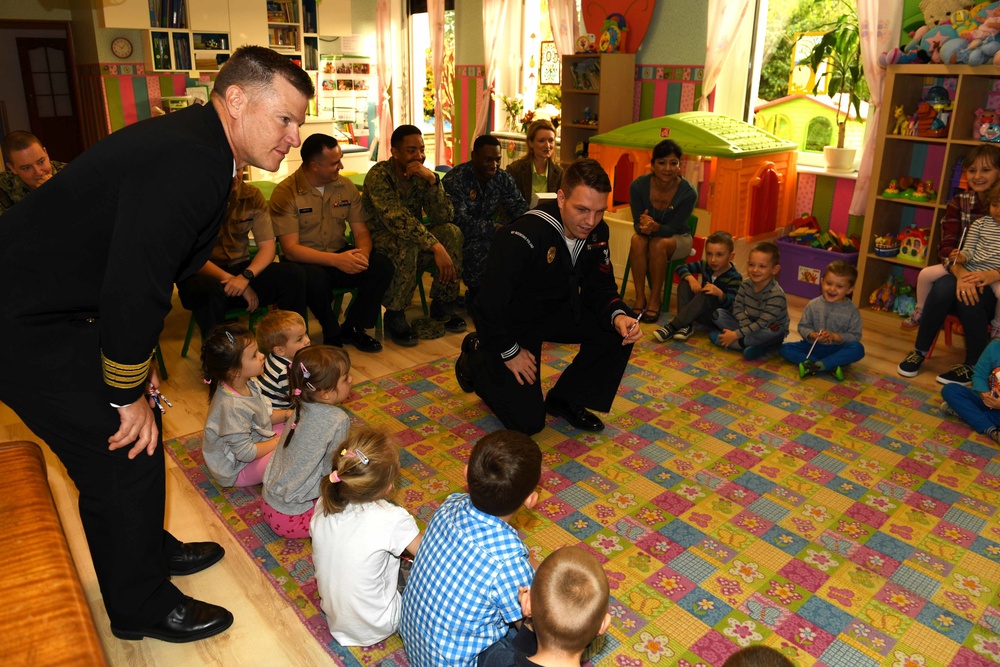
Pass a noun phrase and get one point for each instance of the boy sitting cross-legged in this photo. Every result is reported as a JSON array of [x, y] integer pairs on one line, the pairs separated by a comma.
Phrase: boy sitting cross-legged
[[830, 326], [759, 320], [705, 286], [568, 606], [280, 335], [462, 596]]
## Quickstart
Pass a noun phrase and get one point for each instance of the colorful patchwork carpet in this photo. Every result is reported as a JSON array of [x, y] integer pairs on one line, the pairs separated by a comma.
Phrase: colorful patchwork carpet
[[731, 503]]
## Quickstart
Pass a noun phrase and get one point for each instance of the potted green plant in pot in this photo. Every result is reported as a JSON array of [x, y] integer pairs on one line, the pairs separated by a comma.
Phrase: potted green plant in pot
[[839, 50]]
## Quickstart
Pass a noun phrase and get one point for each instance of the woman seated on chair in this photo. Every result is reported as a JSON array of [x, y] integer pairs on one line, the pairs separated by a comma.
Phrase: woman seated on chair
[[536, 172], [661, 202]]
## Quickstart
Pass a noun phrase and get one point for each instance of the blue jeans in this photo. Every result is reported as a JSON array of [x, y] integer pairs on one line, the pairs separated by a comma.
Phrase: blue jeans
[[970, 407], [724, 319], [500, 654], [831, 355]]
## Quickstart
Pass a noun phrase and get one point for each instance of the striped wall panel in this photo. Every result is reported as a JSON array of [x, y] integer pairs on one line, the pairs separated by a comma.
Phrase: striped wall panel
[[469, 85], [666, 89], [828, 198]]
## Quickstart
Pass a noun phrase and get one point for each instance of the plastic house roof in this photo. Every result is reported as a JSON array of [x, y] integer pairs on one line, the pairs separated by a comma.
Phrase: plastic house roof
[[698, 133]]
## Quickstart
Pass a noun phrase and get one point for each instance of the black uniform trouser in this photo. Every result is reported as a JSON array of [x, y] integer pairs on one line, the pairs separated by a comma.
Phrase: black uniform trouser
[[121, 500], [693, 307], [281, 283], [370, 283], [590, 381], [941, 301]]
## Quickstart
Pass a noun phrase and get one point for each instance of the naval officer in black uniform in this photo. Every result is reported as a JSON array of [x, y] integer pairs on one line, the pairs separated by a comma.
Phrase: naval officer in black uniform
[[87, 267], [549, 278]]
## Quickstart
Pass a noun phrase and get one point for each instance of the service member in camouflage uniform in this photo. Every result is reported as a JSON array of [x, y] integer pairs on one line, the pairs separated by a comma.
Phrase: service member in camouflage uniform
[[484, 197], [396, 194], [28, 166]]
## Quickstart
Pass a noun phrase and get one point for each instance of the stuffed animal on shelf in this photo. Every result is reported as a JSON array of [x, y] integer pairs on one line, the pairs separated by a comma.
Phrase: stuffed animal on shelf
[[905, 301], [902, 121]]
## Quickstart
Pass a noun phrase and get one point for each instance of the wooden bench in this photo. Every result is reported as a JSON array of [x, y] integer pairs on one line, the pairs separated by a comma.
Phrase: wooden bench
[[44, 615]]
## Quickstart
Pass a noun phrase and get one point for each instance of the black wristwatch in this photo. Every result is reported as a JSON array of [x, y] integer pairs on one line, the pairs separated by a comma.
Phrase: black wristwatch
[[248, 274]]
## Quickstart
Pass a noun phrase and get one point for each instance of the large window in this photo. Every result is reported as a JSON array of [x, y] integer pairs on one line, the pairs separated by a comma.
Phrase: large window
[[423, 79]]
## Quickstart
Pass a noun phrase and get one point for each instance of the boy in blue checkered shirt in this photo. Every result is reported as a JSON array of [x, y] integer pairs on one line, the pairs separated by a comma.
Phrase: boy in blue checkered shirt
[[462, 597]]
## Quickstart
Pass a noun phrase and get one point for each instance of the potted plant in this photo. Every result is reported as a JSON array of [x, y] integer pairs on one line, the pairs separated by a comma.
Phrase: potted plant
[[839, 49]]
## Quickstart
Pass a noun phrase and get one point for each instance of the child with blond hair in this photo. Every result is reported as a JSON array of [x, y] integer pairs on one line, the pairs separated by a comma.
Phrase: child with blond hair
[[280, 335]]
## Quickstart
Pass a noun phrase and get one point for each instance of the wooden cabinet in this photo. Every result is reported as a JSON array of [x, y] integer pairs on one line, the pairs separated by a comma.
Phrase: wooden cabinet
[[598, 94], [125, 14], [925, 158], [209, 15]]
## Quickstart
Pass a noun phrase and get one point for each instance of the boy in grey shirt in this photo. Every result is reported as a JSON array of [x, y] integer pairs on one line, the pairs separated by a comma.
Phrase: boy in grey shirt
[[830, 326], [758, 322]]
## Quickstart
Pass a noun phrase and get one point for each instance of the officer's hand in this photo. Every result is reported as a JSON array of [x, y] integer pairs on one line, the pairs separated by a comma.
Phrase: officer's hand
[[524, 367], [235, 285], [138, 426], [445, 267], [351, 262], [418, 170], [628, 328], [251, 298]]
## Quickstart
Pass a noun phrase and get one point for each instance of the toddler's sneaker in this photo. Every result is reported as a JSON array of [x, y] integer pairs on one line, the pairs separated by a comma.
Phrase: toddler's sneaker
[[683, 333], [960, 374], [913, 321], [839, 373], [808, 367], [663, 334], [994, 433], [910, 367], [995, 330], [947, 409]]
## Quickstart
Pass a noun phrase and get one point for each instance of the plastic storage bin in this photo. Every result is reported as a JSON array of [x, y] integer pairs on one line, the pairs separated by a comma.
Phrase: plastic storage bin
[[802, 267]]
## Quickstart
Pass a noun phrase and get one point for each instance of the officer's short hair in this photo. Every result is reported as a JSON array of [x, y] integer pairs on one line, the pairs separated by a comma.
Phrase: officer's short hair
[[314, 145], [254, 68], [485, 140], [18, 140], [588, 172], [402, 132]]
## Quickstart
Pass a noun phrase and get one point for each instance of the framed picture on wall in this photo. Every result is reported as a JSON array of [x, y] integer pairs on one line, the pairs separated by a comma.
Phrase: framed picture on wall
[[550, 64]]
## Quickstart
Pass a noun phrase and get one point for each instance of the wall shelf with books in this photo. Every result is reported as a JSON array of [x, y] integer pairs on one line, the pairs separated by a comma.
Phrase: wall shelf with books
[[211, 49], [284, 29], [168, 50], [597, 96], [167, 14]]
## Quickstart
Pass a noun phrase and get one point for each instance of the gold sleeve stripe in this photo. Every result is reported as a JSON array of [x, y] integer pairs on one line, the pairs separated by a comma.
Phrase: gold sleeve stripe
[[124, 376]]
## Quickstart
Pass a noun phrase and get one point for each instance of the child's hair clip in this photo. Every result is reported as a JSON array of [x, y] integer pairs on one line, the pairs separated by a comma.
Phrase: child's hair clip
[[361, 456], [291, 425], [305, 371], [206, 381], [232, 341], [343, 452], [310, 386], [334, 477], [297, 392]]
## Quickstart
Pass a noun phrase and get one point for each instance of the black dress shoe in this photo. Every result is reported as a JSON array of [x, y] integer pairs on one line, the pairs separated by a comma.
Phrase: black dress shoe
[[581, 418], [357, 337], [455, 324], [466, 380], [195, 557], [190, 621]]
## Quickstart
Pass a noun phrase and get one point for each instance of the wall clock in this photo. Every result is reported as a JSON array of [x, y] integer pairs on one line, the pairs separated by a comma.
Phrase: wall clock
[[121, 47]]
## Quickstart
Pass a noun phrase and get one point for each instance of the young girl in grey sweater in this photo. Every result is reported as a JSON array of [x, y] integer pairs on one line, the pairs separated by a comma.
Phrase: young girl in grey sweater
[[318, 381]]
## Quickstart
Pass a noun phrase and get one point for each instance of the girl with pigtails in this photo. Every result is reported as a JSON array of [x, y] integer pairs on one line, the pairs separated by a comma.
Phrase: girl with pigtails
[[319, 380], [359, 535]]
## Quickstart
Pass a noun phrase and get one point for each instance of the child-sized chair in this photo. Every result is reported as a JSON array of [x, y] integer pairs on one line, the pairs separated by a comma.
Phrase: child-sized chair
[[668, 284], [951, 324]]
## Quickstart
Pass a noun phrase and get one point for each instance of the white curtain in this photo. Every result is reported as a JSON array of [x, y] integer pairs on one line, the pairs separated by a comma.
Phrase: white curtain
[[565, 25], [494, 13], [726, 19], [435, 22], [880, 22], [383, 65]]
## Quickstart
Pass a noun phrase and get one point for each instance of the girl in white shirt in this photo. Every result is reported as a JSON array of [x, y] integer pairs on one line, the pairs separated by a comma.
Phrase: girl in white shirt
[[358, 536]]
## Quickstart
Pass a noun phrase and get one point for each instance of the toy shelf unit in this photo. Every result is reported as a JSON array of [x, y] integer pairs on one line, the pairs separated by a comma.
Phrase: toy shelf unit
[[211, 49], [893, 209], [284, 28], [344, 86], [598, 93]]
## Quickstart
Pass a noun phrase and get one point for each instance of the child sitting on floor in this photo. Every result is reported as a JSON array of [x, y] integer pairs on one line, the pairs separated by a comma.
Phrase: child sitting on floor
[[358, 535], [759, 321], [979, 405], [240, 432], [462, 595], [280, 335], [830, 326], [568, 606], [320, 380], [698, 298]]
